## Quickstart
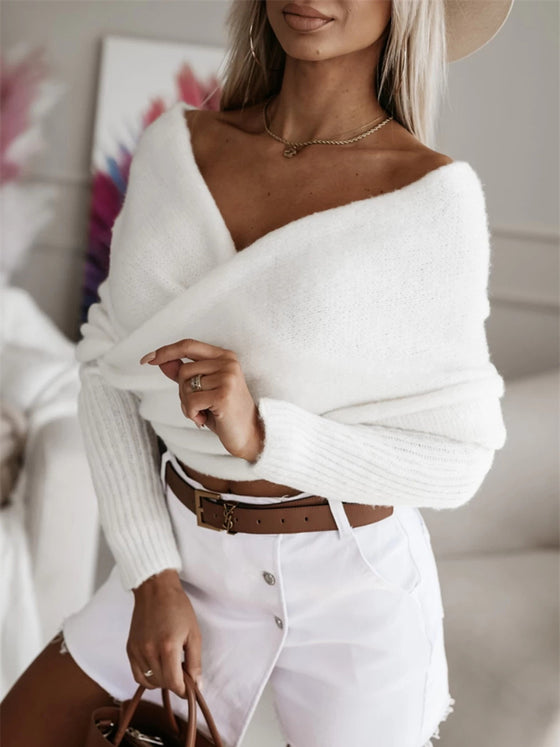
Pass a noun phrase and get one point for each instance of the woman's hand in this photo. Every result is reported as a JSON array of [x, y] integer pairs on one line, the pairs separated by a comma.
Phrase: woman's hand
[[225, 404], [163, 625]]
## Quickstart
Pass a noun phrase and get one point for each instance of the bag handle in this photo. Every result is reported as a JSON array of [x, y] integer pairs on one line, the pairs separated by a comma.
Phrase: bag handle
[[193, 695]]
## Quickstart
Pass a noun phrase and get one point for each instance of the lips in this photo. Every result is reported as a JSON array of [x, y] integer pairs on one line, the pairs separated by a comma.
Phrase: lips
[[305, 11], [305, 23], [303, 18]]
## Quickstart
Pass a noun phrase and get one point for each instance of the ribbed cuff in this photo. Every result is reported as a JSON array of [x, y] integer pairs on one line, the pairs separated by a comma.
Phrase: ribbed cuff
[[138, 557], [368, 464]]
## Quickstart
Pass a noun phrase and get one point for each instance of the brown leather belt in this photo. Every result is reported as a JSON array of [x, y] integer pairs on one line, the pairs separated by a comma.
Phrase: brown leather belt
[[309, 514]]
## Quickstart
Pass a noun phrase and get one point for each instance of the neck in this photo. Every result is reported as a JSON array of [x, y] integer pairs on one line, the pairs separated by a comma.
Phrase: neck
[[323, 99]]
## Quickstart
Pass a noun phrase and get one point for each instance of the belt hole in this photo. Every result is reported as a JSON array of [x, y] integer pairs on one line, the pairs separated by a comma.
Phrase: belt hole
[[282, 520], [258, 521], [306, 518]]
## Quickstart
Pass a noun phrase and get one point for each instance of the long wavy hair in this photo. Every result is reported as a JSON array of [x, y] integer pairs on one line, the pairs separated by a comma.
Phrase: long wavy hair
[[410, 79]]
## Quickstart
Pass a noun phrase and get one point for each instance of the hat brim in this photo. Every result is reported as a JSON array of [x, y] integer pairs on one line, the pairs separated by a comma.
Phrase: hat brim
[[470, 24]]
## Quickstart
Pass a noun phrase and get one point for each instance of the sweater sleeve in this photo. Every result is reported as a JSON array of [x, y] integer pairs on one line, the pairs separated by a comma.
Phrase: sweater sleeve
[[124, 459], [378, 464], [436, 446]]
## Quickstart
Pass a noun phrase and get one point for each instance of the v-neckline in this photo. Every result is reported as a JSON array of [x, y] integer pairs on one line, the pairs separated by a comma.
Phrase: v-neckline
[[333, 212]]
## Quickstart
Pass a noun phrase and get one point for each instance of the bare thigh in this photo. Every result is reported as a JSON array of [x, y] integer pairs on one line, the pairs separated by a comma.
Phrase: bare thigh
[[50, 704]]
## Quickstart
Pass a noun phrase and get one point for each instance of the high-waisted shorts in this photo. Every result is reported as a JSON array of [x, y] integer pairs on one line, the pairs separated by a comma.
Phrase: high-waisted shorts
[[346, 625]]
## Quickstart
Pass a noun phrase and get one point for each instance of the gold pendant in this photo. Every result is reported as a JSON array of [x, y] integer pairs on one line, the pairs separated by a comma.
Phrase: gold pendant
[[291, 151]]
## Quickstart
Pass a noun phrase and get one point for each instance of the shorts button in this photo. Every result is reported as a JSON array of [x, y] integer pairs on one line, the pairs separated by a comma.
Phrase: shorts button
[[279, 622], [269, 578]]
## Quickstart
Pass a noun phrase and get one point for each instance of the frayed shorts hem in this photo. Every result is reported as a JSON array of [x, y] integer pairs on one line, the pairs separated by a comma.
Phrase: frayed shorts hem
[[448, 710]]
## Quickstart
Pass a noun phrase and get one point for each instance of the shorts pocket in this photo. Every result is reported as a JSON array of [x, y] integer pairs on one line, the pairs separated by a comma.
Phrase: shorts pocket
[[385, 548]]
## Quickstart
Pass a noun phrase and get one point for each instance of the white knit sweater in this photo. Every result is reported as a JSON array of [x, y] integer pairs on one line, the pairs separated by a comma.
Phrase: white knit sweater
[[360, 331]]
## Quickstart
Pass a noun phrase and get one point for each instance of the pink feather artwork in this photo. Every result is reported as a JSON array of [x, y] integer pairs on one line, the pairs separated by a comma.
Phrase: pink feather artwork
[[20, 83], [109, 183], [26, 94]]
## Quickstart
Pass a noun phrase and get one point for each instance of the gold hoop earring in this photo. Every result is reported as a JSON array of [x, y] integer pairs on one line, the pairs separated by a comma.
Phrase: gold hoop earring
[[253, 47]]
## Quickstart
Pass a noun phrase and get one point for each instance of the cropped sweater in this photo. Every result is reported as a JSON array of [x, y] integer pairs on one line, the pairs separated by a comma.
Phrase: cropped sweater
[[360, 330]]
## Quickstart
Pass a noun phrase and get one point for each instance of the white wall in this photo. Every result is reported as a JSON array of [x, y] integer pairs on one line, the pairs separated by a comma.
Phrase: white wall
[[501, 115]]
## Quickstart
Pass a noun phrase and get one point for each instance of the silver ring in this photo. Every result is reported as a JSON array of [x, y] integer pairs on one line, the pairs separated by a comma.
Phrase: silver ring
[[148, 673], [196, 386]]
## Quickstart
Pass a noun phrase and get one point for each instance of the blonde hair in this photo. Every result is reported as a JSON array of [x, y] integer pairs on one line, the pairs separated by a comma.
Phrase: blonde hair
[[411, 74]]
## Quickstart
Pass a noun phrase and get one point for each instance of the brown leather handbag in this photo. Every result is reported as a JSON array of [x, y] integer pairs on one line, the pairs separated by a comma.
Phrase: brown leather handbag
[[141, 723]]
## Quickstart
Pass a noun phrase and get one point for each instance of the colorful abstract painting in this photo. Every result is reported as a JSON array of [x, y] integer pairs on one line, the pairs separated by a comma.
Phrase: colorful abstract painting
[[139, 80]]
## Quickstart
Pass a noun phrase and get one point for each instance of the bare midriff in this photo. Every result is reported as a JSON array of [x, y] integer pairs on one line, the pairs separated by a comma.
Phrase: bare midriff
[[239, 487]]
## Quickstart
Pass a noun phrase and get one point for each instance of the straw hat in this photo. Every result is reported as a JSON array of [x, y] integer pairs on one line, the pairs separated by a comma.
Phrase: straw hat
[[470, 24]]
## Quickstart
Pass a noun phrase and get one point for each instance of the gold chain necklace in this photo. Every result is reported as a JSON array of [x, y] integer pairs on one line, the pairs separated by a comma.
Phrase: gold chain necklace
[[294, 147]]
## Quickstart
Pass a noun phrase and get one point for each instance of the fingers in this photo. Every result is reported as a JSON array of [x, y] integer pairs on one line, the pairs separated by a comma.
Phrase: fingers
[[144, 657], [171, 369], [210, 369], [178, 371], [188, 348], [219, 378], [167, 667], [171, 668], [194, 403], [139, 667], [193, 659]]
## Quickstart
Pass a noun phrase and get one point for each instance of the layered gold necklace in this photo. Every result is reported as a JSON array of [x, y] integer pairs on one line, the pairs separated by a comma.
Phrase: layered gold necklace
[[294, 147]]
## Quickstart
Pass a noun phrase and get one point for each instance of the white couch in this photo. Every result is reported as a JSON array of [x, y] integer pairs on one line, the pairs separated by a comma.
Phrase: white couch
[[498, 560], [49, 532]]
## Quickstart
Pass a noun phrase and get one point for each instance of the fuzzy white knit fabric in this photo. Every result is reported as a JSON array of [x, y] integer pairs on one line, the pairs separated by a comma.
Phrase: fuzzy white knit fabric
[[360, 331]]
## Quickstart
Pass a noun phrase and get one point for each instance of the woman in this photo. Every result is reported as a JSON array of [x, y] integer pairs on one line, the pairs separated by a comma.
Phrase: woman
[[317, 310]]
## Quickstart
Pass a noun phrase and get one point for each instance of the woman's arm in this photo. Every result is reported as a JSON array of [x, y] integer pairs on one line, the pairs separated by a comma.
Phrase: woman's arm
[[124, 459], [433, 451], [415, 464]]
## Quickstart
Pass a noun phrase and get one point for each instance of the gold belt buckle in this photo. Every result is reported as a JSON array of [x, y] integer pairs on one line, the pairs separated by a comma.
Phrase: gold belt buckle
[[198, 495], [228, 511]]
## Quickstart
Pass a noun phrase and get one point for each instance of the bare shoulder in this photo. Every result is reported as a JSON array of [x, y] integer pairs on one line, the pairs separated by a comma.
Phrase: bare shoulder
[[212, 132], [197, 118], [414, 156], [407, 159], [209, 120], [397, 167], [425, 161], [431, 159]]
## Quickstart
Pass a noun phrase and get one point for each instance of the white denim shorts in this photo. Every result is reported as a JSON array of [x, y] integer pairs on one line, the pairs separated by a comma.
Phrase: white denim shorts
[[346, 624]]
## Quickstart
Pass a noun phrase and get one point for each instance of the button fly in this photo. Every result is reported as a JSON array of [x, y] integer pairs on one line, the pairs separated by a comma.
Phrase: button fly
[[269, 578]]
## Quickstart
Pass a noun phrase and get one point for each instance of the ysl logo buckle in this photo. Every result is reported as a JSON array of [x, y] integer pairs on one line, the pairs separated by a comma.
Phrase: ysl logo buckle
[[229, 508]]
